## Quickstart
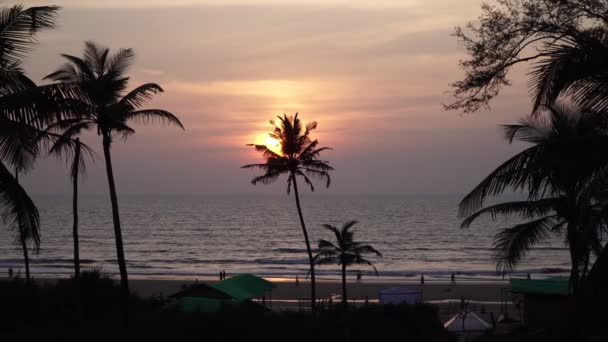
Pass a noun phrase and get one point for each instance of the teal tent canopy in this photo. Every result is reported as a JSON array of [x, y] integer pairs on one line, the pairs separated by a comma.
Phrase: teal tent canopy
[[549, 286], [244, 286]]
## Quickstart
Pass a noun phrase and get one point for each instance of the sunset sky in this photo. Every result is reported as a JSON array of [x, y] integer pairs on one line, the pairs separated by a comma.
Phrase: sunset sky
[[373, 74]]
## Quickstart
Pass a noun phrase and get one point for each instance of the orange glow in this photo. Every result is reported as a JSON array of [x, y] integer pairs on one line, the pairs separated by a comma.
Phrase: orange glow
[[270, 142]]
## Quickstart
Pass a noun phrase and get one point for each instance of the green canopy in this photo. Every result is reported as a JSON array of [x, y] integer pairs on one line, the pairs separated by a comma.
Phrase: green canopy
[[549, 286], [197, 305], [244, 286]]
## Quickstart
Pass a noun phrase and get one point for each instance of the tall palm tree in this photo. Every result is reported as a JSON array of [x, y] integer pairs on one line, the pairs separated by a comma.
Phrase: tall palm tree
[[25, 109], [75, 152], [299, 157], [109, 109], [345, 252], [560, 173]]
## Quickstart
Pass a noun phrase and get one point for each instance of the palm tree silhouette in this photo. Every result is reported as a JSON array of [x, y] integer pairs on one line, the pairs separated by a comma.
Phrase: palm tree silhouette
[[25, 109], [346, 252], [75, 151], [109, 108], [563, 174], [574, 66], [298, 158]]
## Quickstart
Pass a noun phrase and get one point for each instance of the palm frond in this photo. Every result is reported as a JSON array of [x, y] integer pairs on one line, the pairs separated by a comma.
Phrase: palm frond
[[515, 173], [512, 244], [365, 249], [17, 209], [18, 29], [146, 116], [140, 95], [525, 209]]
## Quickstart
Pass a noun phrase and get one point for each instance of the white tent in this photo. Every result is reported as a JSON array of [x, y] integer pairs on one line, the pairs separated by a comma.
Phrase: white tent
[[400, 295], [465, 322]]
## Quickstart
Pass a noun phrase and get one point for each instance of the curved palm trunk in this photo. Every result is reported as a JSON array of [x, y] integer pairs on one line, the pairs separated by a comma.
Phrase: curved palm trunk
[[122, 265], [23, 239], [344, 300], [313, 293], [75, 216]]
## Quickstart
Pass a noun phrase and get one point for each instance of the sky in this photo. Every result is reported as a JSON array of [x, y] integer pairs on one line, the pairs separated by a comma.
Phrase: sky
[[374, 75]]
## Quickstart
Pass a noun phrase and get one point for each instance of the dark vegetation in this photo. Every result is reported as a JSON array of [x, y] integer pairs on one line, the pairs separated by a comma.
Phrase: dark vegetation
[[90, 309]]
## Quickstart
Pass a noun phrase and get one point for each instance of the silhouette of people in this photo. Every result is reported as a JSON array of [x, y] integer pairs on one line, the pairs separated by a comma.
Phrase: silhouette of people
[[453, 278], [422, 279], [297, 281], [366, 300], [10, 272], [224, 274], [359, 276], [221, 275], [528, 276]]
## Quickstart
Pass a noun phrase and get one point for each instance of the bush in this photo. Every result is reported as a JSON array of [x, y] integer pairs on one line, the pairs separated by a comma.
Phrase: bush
[[90, 309]]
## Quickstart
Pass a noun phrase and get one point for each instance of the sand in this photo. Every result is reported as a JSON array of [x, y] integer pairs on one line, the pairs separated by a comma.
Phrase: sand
[[287, 290]]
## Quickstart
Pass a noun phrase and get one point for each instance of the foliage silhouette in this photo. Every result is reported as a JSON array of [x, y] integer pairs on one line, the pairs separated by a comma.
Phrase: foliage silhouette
[[109, 109], [346, 252], [299, 158]]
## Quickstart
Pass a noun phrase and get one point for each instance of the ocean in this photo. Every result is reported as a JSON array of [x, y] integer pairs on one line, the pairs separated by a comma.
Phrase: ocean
[[197, 236]]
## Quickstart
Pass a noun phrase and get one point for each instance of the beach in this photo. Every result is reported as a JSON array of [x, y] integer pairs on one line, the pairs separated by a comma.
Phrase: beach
[[480, 296]]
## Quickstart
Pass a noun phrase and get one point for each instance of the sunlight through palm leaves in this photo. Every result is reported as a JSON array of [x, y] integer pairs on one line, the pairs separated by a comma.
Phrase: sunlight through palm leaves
[[299, 158]]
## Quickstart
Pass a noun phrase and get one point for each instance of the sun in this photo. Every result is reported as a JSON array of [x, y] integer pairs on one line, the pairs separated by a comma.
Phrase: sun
[[273, 144]]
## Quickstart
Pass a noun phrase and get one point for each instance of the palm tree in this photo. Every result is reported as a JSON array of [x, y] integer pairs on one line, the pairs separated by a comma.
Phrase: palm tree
[[75, 150], [109, 108], [24, 110], [299, 157], [560, 173], [345, 252]]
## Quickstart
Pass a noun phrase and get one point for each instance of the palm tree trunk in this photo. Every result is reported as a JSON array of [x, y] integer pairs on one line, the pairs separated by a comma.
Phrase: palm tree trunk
[[313, 293], [122, 265], [574, 257], [23, 239], [75, 215], [26, 259], [344, 300]]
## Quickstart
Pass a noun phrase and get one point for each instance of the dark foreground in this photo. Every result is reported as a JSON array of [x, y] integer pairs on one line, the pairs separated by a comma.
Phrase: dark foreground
[[93, 310]]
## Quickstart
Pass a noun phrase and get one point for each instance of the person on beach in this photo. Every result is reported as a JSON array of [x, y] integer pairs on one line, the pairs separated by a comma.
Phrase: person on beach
[[359, 276], [453, 278], [422, 279], [297, 281], [10, 272], [528, 276], [221, 275]]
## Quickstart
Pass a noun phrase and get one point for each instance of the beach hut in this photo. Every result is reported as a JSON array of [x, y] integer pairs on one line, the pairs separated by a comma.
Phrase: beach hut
[[467, 322], [400, 295], [546, 302], [245, 286]]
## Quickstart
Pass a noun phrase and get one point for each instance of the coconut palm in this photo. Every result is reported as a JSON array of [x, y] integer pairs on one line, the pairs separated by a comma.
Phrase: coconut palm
[[299, 157], [560, 173], [109, 109], [25, 109], [75, 152], [345, 252]]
